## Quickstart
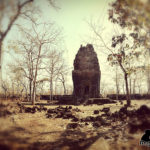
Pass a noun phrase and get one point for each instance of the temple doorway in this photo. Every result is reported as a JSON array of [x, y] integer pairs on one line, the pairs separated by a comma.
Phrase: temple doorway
[[86, 90]]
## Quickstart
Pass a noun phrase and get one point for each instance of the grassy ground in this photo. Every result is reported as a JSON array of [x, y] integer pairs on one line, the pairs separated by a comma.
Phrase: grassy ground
[[35, 131]]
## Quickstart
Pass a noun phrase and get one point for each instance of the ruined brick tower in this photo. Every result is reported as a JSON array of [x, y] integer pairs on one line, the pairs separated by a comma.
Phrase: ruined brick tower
[[86, 73]]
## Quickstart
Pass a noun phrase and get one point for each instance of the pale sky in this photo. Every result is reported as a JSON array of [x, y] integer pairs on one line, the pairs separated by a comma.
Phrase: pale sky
[[71, 17]]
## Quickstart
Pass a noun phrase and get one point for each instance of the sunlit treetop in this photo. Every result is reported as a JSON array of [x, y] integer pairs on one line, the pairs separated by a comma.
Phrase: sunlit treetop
[[133, 15]]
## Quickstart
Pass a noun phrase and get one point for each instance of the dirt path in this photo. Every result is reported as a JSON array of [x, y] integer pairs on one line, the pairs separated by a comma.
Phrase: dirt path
[[36, 131]]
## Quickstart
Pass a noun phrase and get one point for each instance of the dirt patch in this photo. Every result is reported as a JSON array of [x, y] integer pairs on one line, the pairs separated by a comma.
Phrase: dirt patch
[[72, 128]]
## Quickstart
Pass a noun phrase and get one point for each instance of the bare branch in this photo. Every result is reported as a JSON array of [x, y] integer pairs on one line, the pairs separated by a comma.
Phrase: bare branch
[[20, 6]]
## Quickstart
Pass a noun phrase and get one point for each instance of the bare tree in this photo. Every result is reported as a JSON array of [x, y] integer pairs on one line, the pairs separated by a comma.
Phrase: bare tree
[[117, 82], [120, 53], [40, 87], [62, 80], [62, 76], [19, 85], [34, 48], [103, 89], [53, 67], [5, 87], [12, 10], [147, 69]]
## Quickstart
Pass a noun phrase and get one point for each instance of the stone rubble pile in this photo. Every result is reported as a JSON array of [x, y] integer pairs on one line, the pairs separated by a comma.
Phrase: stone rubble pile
[[138, 120], [62, 112], [34, 109]]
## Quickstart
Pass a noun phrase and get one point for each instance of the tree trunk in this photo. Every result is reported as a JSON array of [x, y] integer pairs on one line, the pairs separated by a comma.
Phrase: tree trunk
[[134, 86], [22, 94], [117, 89], [34, 93], [56, 89], [35, 96], [30, 90], [123, 88], [117, 84], [35, 76], [139, 87], [130, 85], [0, 67], [26, 89], [5, 94], [126, 84], [51, 89], [127, 89], [148, 81], [12, 92], [64, 88]]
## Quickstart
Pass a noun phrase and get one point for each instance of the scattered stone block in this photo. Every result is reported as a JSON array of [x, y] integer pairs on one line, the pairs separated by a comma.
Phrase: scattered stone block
[[72, 125], [96, 112]]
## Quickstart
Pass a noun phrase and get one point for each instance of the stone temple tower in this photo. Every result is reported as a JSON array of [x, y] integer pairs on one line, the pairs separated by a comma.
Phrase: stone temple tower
[[86, 73]]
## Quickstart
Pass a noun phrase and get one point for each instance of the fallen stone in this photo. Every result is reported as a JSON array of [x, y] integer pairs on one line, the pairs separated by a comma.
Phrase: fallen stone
[[70, 107], [106, 109], [143, 110], [75, 119], [96, 112], [88, 119], [98, 118], [77, 110], [49, 115], [96, 124], [72, 125], [59, 115]]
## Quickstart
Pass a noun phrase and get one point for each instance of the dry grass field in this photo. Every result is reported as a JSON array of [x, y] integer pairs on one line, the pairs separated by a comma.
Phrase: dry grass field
[[23, 131]]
